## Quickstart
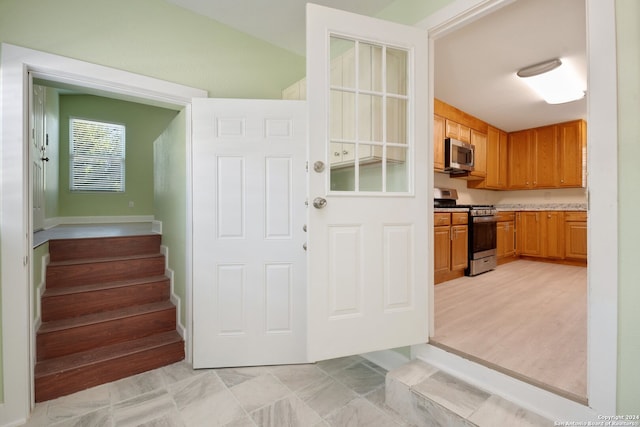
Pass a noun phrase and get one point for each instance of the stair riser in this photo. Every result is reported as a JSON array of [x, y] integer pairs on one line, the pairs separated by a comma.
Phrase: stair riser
[[73, 380], [106, 271], [82, 338], [69, 249], [67, 306]]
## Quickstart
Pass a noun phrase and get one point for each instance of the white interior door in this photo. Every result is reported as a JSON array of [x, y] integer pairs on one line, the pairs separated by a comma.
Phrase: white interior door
[[37, 154], [368, 261], [249, 293]]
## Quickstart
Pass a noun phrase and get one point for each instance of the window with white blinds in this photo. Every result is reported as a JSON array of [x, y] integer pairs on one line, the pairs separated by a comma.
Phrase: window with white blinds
[[97, 156]]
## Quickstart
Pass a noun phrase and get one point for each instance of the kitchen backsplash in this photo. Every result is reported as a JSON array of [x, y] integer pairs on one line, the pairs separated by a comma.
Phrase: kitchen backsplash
[[548, 196]]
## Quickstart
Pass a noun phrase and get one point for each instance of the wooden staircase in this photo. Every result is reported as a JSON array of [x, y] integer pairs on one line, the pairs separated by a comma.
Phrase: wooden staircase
[[106, 314]]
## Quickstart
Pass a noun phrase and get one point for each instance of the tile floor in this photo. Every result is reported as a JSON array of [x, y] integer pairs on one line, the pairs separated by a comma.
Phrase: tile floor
[[341, 392]]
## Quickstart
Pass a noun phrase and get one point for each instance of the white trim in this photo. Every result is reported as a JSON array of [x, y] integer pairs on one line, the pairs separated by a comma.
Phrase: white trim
[[602, 351], [175, 299], [156, 226], [189, 239], [16, 62], [116, 219]]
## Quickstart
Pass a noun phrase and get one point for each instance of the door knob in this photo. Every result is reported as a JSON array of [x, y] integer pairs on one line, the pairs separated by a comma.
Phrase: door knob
[[319, 202]]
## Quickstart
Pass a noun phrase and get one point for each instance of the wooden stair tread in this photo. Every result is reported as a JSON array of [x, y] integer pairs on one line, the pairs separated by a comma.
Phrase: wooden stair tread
[[103, 259], [70, 290], [89, 319], [106, 353]]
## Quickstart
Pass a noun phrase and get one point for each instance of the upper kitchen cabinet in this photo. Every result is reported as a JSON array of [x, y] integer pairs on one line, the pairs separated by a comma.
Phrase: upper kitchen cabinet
[[572, 153], [450, 122], [547, 157], [438, 142], [496, 159]]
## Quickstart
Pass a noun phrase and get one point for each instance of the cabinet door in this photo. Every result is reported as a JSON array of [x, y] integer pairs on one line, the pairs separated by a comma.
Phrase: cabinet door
[[459, 247], [457, 131], [571, 137], [519, 148], [545, 157], [575, 236], [510, 239], [529, 240], [442, 249], [479, 140], [497, 160], [553, 234], [438, 143]]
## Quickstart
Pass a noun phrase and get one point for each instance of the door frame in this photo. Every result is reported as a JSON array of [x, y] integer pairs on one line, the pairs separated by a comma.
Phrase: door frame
[[602, 192], [15, 189]]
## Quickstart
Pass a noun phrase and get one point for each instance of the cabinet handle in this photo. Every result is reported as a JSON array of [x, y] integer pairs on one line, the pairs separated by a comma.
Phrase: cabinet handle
[[345, 152], [336, 153]]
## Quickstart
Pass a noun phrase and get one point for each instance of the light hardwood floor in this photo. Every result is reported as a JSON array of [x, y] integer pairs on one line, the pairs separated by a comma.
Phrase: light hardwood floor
[[526, 318]]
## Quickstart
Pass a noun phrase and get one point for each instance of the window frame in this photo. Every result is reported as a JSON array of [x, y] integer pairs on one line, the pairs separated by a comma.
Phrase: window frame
[[121, 158]]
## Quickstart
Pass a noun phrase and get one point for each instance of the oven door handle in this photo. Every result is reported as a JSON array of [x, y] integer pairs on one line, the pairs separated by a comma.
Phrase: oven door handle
[[492, 218]]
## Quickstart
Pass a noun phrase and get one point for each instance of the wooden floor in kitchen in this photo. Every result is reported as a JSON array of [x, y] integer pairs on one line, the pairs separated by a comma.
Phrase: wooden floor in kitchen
[[526, 318]]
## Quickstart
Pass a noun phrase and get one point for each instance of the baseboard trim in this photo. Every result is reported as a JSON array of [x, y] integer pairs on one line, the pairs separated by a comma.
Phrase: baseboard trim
[[175, 299]]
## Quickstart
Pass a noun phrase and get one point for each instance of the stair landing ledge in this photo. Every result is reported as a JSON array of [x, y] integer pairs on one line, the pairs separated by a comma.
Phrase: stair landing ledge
[[426, 396]]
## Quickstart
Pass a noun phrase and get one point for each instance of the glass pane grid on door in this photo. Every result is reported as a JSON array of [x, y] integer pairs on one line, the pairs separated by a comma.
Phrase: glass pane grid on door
[[369, 148]]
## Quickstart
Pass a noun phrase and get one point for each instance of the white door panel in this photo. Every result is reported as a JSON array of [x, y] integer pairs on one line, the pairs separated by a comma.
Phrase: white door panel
[[37, 154], [248, 203], [368, 265]]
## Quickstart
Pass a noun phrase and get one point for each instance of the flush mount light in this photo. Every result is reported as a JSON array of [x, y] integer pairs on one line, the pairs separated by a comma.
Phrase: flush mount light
[[554, 81]]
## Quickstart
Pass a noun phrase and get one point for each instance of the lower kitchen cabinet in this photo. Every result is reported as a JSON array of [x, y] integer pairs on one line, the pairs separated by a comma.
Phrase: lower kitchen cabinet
[[541, 234], [505, 236], [575, 235], [451, 240]]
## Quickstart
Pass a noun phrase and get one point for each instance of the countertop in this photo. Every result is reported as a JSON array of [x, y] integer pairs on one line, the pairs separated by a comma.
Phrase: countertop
[[543, 207], [526, 207]]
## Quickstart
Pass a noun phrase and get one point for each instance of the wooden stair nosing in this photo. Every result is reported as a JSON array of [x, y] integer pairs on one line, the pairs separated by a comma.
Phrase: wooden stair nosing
[[102, 354], [70, 290], [55, 385], [83, 261], [106, 316]]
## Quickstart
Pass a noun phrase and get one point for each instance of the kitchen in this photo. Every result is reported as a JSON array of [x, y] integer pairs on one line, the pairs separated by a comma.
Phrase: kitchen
[[526, 315]]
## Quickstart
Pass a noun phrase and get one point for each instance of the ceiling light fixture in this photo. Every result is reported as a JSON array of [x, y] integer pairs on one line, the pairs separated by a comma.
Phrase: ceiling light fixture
[[554, 81]]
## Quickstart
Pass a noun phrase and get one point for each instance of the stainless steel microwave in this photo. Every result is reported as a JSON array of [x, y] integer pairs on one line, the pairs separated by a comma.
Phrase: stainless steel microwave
[[459, 156]]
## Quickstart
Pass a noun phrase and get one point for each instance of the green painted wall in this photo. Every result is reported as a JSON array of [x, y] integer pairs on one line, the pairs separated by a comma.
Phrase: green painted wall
[[143, 125], [154, 38], [170, 201], [411, 11], [628, 40]]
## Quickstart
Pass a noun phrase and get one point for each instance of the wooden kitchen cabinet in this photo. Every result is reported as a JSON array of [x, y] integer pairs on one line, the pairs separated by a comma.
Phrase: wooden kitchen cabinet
[[457, 131], [540, 234], [544, 161], [451, 237], [505, 236], [459, 247], [519, 164], [479, 141], [547, 157], [496, 177], [572, 153], [575, 235], [438, 142]]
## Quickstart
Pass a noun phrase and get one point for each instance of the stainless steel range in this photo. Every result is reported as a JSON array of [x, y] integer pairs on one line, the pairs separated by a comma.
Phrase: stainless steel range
[[482, 230]]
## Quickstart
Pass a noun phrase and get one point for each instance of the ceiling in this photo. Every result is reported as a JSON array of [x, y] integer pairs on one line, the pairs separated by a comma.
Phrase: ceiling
[[475, 65]]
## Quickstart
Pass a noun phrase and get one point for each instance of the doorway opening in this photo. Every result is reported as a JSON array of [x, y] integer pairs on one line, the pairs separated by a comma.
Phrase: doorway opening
[[527, 318]]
